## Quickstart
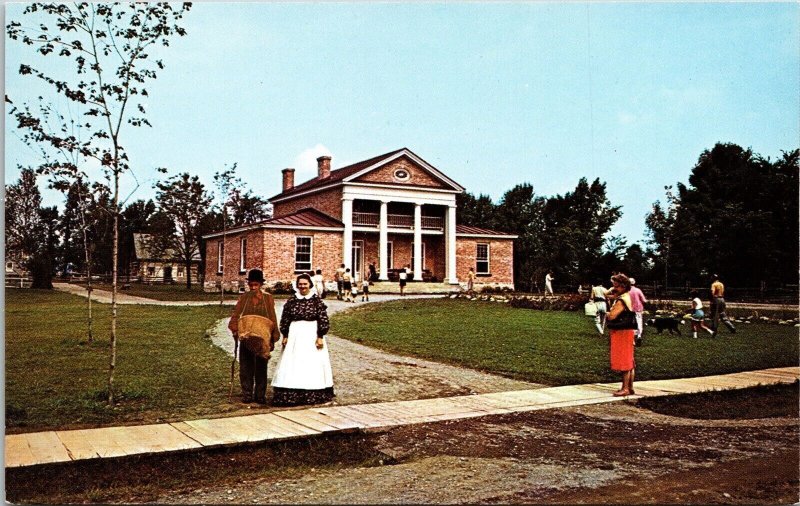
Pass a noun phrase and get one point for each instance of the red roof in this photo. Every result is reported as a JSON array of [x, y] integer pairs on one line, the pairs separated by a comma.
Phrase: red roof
[[337, 174], [306, 217], [467, 229]]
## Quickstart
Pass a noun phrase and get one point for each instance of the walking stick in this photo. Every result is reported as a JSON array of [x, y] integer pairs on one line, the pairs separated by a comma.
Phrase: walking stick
[[233, 366]]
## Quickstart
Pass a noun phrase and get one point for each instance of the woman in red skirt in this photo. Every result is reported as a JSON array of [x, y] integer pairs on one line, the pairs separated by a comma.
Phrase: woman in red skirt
[[621, 321]]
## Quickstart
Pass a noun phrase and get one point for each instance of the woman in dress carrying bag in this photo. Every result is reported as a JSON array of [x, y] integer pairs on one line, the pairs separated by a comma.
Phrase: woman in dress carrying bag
[[304, 373], [621, 321], [254, 323]]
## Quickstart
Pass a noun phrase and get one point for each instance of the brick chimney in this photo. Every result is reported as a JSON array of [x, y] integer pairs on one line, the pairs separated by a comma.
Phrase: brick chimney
[[324, 166], [288, 179]]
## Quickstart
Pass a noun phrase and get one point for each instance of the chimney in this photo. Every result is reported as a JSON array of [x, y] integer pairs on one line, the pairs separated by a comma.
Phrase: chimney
[[288, 179], [324, 166]]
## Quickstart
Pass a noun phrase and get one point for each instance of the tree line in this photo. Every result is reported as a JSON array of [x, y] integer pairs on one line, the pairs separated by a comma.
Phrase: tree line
[[738, 217], [79, 239]]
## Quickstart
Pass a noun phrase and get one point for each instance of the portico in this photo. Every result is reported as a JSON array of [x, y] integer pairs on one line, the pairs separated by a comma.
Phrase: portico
[[413, 213]]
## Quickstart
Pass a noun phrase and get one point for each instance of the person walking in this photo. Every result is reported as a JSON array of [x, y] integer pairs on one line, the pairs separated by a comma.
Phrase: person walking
[[622, 324], [365, 290], [698, 316], [319, 283], [373, 273], [403, 280], [337, 276], [718, 306], [638, 301], [254, 321], [304, 374], [599, 294], [548, 283], [471, 280], [347, 286]]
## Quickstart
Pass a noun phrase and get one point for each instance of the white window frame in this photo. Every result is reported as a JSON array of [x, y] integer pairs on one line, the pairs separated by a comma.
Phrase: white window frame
[[220, 255], [389, 255], [488, 259], [310, 253], [242, 255]]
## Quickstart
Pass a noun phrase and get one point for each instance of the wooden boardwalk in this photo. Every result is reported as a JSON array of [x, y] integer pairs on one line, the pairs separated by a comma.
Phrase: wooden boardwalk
[[71, 445]]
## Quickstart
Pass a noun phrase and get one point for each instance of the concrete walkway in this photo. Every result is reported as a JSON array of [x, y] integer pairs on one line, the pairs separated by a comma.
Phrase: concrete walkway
[[73, 445]]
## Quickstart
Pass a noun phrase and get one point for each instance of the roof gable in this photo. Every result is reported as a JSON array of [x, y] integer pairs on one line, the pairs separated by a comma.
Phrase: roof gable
[[353, 172], [415, 175]]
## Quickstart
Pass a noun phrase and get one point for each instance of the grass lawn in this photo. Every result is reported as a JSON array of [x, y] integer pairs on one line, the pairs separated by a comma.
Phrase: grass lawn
[[165, 292], [553, 347], [54, 378]]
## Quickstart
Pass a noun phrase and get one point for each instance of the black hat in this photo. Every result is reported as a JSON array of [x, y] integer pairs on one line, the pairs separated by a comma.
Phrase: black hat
[[255, 275]]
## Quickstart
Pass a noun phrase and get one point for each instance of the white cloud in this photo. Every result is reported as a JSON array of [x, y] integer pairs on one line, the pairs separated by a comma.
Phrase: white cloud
[[305, 164]]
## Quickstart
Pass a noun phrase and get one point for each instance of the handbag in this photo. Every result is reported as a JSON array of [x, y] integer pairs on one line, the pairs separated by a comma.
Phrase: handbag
[[624, 321], [255, 334]]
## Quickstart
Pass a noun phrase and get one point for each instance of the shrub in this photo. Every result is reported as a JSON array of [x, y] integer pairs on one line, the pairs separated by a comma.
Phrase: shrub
[[572, 302]]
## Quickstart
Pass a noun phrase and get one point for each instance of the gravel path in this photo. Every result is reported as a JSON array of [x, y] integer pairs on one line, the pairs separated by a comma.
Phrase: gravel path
[[362, 374]]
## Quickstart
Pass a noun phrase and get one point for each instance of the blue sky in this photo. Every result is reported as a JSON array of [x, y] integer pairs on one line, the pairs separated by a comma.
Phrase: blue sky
[[492, 94]]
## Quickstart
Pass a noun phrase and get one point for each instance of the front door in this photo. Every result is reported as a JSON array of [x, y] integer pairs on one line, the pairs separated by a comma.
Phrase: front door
[[168, 274], [358, 258]]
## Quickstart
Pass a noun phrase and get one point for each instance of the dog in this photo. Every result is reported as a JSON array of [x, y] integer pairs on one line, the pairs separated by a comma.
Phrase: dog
[[661, 324]]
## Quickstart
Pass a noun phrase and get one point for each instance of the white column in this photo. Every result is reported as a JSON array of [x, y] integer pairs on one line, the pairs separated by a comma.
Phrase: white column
[[417, 242], [450, 246], [383, 243], [347, 240]]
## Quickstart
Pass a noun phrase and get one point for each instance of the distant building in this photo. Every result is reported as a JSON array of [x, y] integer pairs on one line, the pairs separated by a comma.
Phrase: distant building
[[394, 209], [167, 268]]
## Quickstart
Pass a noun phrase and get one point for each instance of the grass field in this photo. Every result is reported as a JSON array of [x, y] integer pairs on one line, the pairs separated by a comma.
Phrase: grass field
[[166, 367], [553, 347]]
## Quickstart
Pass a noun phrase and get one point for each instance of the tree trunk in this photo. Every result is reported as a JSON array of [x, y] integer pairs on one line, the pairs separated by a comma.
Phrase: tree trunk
[[115, 253], [188, 263]]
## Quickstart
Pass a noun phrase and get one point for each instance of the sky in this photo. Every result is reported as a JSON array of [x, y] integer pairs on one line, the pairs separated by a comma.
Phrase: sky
[[492, 94]]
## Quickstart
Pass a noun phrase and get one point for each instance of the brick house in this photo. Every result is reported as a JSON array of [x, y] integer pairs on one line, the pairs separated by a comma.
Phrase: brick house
[[394, 209]]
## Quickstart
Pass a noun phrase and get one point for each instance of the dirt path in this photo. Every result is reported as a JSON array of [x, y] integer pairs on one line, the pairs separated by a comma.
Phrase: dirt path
[[611, 453], [362, 374]]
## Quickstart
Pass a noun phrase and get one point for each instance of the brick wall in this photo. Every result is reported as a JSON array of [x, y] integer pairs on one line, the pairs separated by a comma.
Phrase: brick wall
[[254, 257], [279, 249], [419, 177], [328, 202], [501, 260]]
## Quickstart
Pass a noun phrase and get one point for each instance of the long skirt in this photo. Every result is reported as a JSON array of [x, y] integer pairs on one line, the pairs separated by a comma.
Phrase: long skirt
[[304, 373], [622, 350]]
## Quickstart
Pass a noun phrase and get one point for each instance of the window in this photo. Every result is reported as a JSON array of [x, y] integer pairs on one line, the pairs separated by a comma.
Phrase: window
[[482, 259], [151, 271], [389, 255], [243, 254], [302, 254], [220, 255], [180, 271]]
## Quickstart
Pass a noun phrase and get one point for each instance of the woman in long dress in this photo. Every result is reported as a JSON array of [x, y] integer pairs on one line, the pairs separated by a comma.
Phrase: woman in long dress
[[304, 373]]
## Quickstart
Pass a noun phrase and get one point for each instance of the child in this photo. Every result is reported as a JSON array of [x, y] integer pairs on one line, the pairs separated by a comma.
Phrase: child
[[347, 285], [354, 289], [365, 290], [698, 316]]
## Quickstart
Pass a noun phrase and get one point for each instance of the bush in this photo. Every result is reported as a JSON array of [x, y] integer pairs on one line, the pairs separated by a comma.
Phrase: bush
[[572, 302], [281, 288]]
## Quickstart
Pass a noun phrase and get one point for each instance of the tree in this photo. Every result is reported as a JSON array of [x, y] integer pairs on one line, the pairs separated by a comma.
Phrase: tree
[[520, 212], [660, 223], [108, 46], [183, 198], [577, 223], [23, 220], [478, 212], [737, 217]]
